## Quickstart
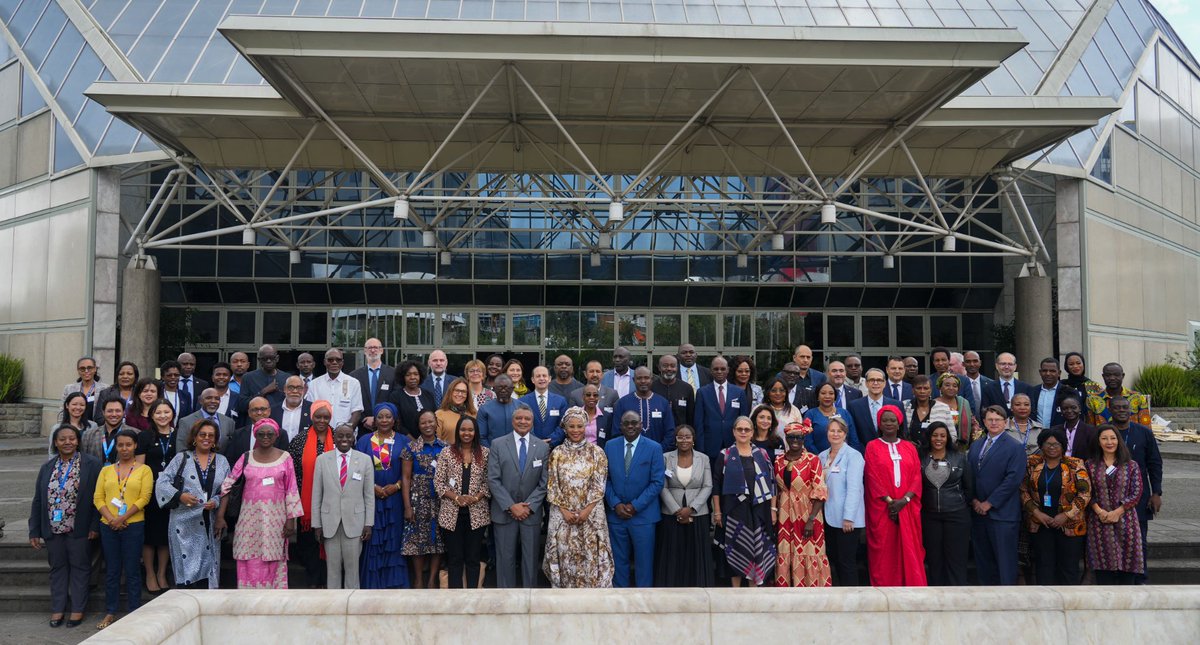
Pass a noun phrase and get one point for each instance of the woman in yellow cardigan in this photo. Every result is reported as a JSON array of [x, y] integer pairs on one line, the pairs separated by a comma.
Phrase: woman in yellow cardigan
[[122, 491]]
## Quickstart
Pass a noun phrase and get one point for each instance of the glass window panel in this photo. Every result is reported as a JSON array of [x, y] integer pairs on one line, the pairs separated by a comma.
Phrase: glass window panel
[[875, 331], [1001, 83], [239, 327], [418, 327], [840, 332], [736, 330], [65, 154], [491, 329], [118, 140], [702, 329], [527, 329], [596, 329], [277, 327], [314, 328], [456, 329], [22, 22], [667, 330], [85, 72], [314, 7], [631, 330], [175, 65], [606, 12], [38, 45], [54, 70], [31, 98], [346, 8], [910, 331], [131, 23], [106, 11], [213, 65], [204, 325], [771, 332], [943, 331]]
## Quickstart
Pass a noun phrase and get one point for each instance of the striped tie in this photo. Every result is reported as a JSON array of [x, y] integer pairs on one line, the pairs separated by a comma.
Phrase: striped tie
[[542, 406], [691, 376], [343, 473]]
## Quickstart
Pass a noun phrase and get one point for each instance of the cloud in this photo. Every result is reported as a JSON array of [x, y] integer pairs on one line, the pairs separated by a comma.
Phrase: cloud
[[1171, 8]]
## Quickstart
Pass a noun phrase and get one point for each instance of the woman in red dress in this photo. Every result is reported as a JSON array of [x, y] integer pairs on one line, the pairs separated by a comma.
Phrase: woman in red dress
[[893, 497], [800, 526]]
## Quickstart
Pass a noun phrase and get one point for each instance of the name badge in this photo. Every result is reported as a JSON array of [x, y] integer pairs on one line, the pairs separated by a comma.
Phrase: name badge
[[344, 403], [119, 504], [453, 483], [735, 404], [1110, 470], [896, 457], [669, 473], [954, 413], [925, 426], [683, 403], [268, 481], [656, 414], [58, 515], [91, 399], [356, 477], [390, 440], [537, 463], [602, 434], [608, 409], [384, 387], [1046, 501], [779, 451], [554, 413]]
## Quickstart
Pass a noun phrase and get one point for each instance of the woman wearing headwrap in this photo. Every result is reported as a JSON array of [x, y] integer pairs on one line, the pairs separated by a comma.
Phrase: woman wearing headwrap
[[893, 498], [304, 448], [270, 506], [578, 551], [798, 521], [1076, 376], [382, 566]]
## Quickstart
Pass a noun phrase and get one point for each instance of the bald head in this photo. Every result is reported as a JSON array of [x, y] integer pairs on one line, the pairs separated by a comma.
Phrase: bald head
[[259, 409]]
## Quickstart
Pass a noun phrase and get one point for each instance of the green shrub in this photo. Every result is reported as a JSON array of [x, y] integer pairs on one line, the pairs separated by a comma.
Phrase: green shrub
[[11, 385], [1169, 386]]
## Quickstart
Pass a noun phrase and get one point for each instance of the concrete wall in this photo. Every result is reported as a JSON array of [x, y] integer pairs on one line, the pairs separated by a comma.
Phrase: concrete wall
[[1159, 615], [1141, 235]]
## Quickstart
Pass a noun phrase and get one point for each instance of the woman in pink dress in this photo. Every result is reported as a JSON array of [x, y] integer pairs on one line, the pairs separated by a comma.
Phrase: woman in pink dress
[[270, 506]]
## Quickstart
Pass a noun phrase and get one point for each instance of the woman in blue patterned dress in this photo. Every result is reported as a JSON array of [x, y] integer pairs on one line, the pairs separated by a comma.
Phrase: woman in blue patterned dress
[[422, 539], [382, 565]]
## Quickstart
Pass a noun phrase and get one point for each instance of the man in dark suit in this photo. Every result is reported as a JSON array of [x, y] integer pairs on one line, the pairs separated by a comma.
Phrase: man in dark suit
[[548, 408], [243, 438], [1001, 391], [1144, 449], [681, 395], [375, 381], [997, 462], [439, 379], [896, 387], [620, 377], [593, 373], [690, 371], [718, 405], [836, 373], [864, 411], [294, 416], [210, 401], [1079, 434], [939, 359], [660, 424], [189, 383], [635, 478], [267, 381], [517, 480], [808, 380], [1047, 399], [974, 382]]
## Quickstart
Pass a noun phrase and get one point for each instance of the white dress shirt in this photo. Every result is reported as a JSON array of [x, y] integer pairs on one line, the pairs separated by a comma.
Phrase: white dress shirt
[[343, 393], [291, 420], [623, 384]]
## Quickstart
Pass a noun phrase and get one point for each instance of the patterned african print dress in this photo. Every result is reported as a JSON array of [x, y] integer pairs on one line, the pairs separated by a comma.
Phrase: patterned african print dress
[[577, 556], [421, 535], [382, 565], [270, 498], [802, 562]]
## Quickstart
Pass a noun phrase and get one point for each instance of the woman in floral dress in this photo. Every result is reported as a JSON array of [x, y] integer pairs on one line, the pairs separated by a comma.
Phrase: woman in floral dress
[[798, 520], [578, 552], [422, 539]]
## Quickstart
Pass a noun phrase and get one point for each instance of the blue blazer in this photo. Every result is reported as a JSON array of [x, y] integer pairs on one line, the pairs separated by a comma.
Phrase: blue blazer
[[427, 384], [641, 486], [906, 393], [818, 440], [844, 479], [993, 393], [864, 424], [967, 393], [714, 430], [606, 379], [1061, 391], [549, 427], [998, 478]]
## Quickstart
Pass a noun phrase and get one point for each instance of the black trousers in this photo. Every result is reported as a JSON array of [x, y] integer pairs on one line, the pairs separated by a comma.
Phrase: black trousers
[[1056, 556], [199, 584], [70, 568], [308, 551], [1114, 577], [842, 550], [947, 538], [464, 550]]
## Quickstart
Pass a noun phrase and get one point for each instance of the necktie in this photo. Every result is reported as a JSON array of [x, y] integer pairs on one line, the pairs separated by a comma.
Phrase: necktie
[[691, 377], [437, 390], [983, 453], [343, 473], [895, 391], [875, 414], [374, 384], [1006, 395], [522, 453], [838, 401], [975, 391], [721, 398], [628, 456], [542, 406], [185, 388]]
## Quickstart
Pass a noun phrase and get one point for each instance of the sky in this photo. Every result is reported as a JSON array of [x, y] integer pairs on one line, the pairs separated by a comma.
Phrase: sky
[[1184, 16]]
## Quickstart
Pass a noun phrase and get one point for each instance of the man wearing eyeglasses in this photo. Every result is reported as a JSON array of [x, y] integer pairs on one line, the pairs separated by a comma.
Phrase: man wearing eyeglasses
[[267, 381], [294, 415], [339, 388], [375, 381], [865, 411]]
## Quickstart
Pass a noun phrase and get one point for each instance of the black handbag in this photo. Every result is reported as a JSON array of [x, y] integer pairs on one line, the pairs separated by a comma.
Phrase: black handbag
[[177, 484], [233, 499]]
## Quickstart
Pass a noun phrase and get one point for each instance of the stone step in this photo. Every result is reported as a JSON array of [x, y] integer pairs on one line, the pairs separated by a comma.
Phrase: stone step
[[1170, 551], [25, 573], [15, 600], [1174, 572], [20, 551]]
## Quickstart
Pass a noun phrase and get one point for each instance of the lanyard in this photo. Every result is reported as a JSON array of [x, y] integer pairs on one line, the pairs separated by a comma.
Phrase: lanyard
[[62, 480], [203, 473], [1048, 476], [109, 445], [164, 444], [123, 482]]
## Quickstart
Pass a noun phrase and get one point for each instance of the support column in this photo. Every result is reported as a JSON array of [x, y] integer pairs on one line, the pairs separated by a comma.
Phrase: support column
[[1068, 208], [1034, 318], [139, 313]]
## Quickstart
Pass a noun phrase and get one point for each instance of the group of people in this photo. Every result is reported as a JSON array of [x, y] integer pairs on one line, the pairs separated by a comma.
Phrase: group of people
[[694, 476]]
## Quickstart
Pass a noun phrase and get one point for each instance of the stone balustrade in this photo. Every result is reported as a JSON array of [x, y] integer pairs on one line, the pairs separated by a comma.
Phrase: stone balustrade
[[20, 420], [901, 616]]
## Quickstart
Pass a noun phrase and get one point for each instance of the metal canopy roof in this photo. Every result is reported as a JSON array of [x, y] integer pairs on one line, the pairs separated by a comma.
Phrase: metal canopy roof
[[397, 88]]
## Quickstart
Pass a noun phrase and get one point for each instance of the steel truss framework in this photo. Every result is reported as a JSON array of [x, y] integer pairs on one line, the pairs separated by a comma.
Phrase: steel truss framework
[[581, 209]]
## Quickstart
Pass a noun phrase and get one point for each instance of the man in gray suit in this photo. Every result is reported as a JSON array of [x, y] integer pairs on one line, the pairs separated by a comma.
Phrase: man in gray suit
[[210, 402], [517, 479], [593, 371], [343, 506]]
